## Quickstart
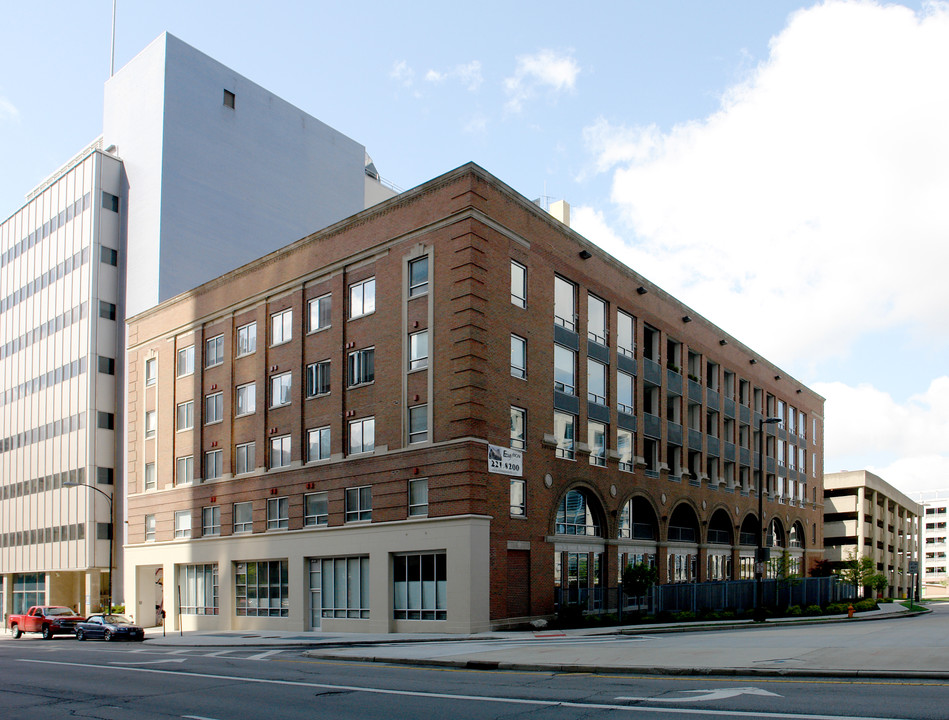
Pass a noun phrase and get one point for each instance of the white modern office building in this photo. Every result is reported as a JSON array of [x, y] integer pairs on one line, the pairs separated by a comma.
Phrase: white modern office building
[[934, 563], [198, 171]]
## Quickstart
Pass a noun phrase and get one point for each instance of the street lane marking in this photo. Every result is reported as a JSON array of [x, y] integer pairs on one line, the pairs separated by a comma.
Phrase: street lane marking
[[198, 717], [148, 662], [707, 695], [474, 698], [262, 655]]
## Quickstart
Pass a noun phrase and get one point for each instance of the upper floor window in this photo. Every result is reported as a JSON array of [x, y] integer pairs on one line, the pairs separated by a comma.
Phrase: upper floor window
[[211, 520], [280, 451], [418, 276], [213, 464], [243, 517], [318, 378], [315, 509], [151, 371], [318, 444], [151, 423], [362, 298], [565, 303], [281, 327], [596, 319], [518, 356], [184, 415], [214, 351], [518, 284], [625, 334], [246, 399], [418, 497], [149, 528], [184, 470], [280, 389], [418, 423], [182, 523], [359, 503], [418, 350], [151, 476], [319, 313], [244, 460], [213, 408], [563, 431], [518, 428], [247, 339], [186, 361], [278, 513], [596, 438], [596, 382], [362, 435], [362, 366], [624, 393], [565, 370]]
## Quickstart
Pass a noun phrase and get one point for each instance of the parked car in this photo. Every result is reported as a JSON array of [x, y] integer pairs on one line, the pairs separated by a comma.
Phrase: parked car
[[109, 627], [49, 620]]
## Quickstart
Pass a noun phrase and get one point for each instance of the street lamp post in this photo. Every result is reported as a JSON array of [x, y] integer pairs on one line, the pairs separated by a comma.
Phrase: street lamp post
[[760, 555], [111, 528]]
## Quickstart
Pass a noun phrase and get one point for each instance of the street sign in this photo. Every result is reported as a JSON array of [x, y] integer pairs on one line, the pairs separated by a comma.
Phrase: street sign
[[913, 567]]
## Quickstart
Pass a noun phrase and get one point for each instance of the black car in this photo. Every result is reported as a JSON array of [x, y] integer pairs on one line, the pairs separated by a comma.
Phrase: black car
[[109, 627]]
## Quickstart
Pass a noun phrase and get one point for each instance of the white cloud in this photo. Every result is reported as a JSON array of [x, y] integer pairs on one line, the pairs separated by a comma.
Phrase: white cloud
[[468, 74], [402, 73], [809, 210], [8, 110], [861, 421], [546, 69], [477, 124]]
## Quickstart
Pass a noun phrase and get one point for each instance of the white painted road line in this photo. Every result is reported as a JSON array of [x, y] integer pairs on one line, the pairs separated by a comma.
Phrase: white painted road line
[[638, 709], [705, 695], [261, 656]]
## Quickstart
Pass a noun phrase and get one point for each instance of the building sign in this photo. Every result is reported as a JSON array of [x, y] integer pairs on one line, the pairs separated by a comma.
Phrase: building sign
[[505, 461]]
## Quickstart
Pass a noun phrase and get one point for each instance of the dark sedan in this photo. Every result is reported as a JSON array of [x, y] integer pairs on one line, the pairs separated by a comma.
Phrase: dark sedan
[[109, 627]]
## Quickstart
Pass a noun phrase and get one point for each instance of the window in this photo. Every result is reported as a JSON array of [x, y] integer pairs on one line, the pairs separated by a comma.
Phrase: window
[[182, 523], [344, 587], [151, 476], [280, 386], [213, 464], [518, 284], [420, 586], [362, 366], [518, 497], [318, 444], [418, 498], [596, 438], [106, 310], [279, 452], [362, 435], [247, 339], [151, 371], [563, 430], [261, 589], [418, 350], [246, 399], [624, 447], [186, 361], [518, 428], [214, 351], [149, 528], [184, 470], [230, 100], [518, 356], [281, 327], [211, 520], [278, 513], [565, 303], [105, 476], [244, 458], [243, 517], [596, 319], [596, 382], [318, 378], [624, 393], [359, 503], [105, 421], [106, 365], [108, 256], [319, 313], [418, 424], [199, 589], [213, 408], [625, 334], [362, 298], [418, 276], [184, 415], [565, 369], [315, 509], [151, 423]]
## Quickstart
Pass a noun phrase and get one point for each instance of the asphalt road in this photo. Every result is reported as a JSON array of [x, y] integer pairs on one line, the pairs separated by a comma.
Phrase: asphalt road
[[64, 679]]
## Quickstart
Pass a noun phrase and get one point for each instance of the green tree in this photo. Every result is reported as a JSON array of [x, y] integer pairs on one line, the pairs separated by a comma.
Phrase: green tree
[[858, 571], [638, 578], [822, 568], [879, 582]]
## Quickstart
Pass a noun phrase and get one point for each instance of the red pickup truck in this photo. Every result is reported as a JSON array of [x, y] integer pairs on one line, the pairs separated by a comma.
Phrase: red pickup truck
[[46, 619]]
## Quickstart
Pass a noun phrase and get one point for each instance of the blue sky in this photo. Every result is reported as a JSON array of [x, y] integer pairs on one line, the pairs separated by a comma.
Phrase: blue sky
[[782, 167]]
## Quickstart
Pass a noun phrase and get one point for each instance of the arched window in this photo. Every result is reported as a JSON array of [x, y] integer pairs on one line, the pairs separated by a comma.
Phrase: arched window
[[637, 520], [575, 515], [775, 533], [796, 536]]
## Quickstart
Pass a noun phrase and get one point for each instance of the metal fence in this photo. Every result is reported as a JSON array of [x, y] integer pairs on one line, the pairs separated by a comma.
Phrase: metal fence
[[727, 595]]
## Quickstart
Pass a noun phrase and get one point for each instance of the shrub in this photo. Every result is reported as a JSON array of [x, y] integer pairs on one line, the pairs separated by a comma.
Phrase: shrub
[[794, 611], [684, 616], [886, 600], [866, 605], [728, 615], [813, 611], [836, 609]]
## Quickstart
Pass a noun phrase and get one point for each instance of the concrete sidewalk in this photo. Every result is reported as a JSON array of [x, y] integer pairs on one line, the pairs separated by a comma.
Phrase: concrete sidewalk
[[785, 646]]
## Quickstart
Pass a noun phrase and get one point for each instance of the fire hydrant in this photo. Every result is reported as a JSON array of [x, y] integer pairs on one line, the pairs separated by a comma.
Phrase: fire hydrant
[[850, 611]]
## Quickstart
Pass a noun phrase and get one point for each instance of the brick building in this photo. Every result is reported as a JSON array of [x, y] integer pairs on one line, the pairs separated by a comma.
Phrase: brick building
[[310, 434]]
